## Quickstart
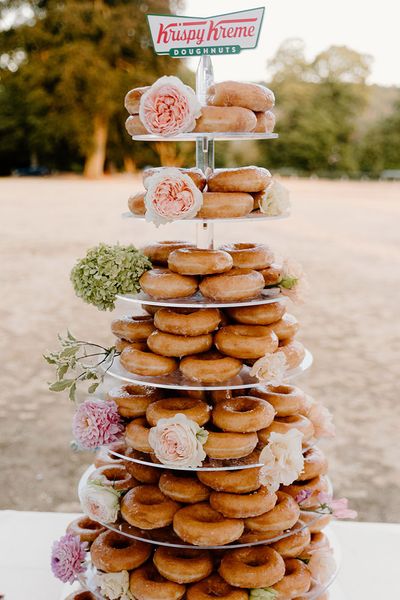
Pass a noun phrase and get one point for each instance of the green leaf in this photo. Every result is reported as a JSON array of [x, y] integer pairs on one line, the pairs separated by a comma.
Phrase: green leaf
[[61, 371], [72, 391], [60, 386], [92, 388]]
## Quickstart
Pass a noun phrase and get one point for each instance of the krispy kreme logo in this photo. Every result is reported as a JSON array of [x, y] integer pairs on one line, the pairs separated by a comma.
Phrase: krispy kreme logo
[[193, 36]]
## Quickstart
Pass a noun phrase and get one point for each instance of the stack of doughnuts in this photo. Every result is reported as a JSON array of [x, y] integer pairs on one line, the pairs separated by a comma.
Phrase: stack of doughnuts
[[232, 106], [227, 193]]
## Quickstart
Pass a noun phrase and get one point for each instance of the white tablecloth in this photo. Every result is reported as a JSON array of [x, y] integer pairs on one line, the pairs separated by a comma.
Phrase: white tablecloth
[[370, 558]]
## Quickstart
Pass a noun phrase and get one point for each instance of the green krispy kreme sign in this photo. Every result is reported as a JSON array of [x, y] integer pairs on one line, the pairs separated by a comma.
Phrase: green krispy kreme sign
[[181, 36]]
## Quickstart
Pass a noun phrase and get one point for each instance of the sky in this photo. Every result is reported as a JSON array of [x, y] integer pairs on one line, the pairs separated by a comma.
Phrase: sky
[[368, 26]]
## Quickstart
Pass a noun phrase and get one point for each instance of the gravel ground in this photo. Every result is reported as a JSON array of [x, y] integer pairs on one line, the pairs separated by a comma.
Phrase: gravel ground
[[345, 234]]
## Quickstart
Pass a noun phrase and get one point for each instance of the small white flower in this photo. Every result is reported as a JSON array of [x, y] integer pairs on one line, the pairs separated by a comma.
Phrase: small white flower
[[293, 283], [114, 586], [282, 458], [270, 368], [275, 200], [100, 503], [178, 441]]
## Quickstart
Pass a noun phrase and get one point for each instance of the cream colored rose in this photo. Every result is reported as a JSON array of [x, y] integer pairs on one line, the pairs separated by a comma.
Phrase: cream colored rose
[[293, 283], [275, 201], [114, 586], [100, 503], [270, 368], [178, 441], [282, 458]]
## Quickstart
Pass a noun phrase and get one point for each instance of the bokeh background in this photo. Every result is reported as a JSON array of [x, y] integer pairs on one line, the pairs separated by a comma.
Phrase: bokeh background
[[68, 168]]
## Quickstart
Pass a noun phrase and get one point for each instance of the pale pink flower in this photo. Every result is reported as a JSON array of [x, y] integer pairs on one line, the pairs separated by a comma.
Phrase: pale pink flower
[[95, 423], [270, 368], [338, 508], [68, 557], [99, 502], [322, 420], [169, 107], [322, 565], [293, 283], [178, 441], [171, 196], [302, 496], [282, 458]]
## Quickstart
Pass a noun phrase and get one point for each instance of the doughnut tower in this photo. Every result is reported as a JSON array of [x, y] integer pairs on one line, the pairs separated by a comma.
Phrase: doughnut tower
[[215, 530]]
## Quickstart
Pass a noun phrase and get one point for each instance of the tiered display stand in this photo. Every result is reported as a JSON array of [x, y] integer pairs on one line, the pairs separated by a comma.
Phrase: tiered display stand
[[205, 239]]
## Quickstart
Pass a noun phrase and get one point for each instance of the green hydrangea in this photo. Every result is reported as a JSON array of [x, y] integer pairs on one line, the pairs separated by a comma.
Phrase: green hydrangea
[[263, 594], [106, 271]]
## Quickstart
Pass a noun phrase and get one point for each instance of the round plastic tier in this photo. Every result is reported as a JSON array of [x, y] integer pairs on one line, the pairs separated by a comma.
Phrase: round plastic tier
[[222, 136], [253, 216], [268, 296], [177, 380]]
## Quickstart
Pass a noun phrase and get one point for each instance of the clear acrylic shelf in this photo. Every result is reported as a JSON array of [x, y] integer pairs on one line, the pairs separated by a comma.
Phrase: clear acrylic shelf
[[268, 296], [177, 380], [253, 216], [223, 136]]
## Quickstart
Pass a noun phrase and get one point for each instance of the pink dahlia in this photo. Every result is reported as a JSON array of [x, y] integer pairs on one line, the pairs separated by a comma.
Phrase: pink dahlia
[[68, 558], [95, 423], [338, 508]]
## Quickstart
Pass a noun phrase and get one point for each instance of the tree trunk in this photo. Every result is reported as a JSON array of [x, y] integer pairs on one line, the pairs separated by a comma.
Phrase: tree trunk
[[95, 159]]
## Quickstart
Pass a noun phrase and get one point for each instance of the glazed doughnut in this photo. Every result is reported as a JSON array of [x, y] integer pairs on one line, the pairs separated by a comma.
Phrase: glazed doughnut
[[120, 345], [147, 584], [137, 435], [283, 516], [133, 400], [243, 414], [103, 456], [183, 488], [133, 329], [214, 119], [81, 595], [287, 400], [249, 255], [192, 323], [286, 328], [134, 126], [215, 587], [293, 545], [240, 481], [272, 275], [236, 93], [168, 344], [147, 363], [316, 486], [227, 445], [210, 367], [112, 552], [315, 521], [158, 252], [164, 284], [262, 314], [297, 580], [182, 565], [225, 205], [315, 463], [285, 424], [85, 528], [146, 507], [201, 525], [243, 179], [197, 261], [265, 122], [136, 203], [196, 175], [294, 352], [246, 341], [132, 99], [243, 506], [254, 537], [193, 409], [254, 567], [115, 476], [236, 285], [143, 473]]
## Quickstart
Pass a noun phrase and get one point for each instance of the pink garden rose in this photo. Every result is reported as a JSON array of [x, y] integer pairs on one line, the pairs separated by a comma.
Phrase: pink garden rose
[[99, 502], [95, 423], [68, 557], [339, 508], [178, 441], [171, 196], [169, 107]]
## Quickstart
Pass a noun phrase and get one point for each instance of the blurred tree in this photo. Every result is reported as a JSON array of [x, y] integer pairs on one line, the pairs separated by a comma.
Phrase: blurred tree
[[380, 148], [65, 68]]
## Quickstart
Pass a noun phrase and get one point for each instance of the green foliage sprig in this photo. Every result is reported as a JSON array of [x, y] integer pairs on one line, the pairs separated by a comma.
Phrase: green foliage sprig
[[79, 361], [106, 271]]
